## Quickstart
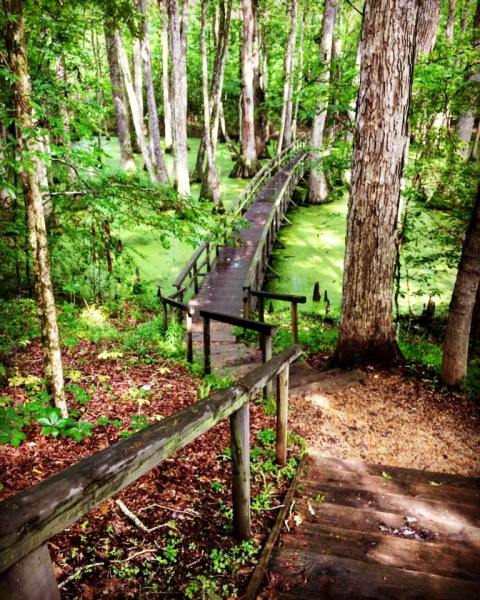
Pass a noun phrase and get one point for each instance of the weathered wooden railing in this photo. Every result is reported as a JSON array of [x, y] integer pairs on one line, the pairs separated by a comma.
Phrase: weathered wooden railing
[[265, 330], [293, 299], [258, 266], [200, 262], [182, 309], [29, 519]]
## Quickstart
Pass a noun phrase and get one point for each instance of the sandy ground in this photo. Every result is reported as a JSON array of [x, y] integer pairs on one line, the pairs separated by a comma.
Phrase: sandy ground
[[389, 418]]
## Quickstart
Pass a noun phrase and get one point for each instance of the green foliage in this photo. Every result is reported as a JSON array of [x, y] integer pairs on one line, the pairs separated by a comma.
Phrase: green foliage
[[18, 324]]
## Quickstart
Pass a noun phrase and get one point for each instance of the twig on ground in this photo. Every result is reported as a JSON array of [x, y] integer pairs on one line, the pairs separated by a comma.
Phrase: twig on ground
[[123, 560], [176, 510], [128, 513], [78, 572]]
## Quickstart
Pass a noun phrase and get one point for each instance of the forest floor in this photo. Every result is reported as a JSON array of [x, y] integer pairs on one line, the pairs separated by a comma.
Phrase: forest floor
[[184, 547], [398, 418]]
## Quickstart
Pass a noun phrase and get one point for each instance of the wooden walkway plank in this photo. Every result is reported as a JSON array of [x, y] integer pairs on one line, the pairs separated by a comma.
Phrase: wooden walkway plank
[[377, 532]]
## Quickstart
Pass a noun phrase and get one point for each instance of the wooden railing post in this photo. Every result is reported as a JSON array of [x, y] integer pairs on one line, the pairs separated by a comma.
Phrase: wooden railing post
[[207, 367], [207, 250], [195, 277], [31, 578], [164, 315], [282, 416], [247, 303], [240, 443], [294, 313], [266, 347], [188, 322], [261, 310]]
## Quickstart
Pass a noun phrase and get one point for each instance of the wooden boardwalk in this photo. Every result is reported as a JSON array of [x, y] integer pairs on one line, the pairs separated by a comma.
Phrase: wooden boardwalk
[[222, 289], [377, 532]]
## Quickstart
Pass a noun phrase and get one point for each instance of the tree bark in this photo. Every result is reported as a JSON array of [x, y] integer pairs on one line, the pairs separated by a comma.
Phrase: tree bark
[[259, 87], [222, 39], [138, 72], [119, 100], [210, 183], [427, 26], [299, 78], [455, 348], [388, 53], [134, 108], [449, 32], [153, 126], [285, 136], [167, 109], [247, 165], [475, 329], [28, 149], [318, 191], [179, 95]]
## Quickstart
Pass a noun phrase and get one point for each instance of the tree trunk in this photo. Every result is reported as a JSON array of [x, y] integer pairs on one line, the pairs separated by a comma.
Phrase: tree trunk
[[138, 74], [285, 136], [134, 108], [167, 109], [28, 147], [427, 26], [119, 100], [247, 165], [318, 191], [153, 126], [299, 78], [455, 347], [179, 95], [449, 32], [222, 39], [230, 145], [476, 144], [259, 87], [475, 329], [388, 47], [210, 183]]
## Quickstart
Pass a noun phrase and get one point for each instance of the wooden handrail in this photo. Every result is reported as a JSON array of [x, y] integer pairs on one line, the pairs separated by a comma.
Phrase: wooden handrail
[[238, 207], [292, 298], [268, 234], [263, 328], [32, 517], [278, 296]]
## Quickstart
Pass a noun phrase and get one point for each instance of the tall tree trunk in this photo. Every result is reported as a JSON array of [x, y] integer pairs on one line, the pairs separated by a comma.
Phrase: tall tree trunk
[[138, 73], [475, 329], [247, 165], [134, 108], [153, 126], [119, 100], [449, 32], [210, 183], [222, 38], [466, 121], [17, 62], [427, 26], [259, 87], [179, 95], [167, 109], [234, 154], [318, 191], [285, 136], [455, 348], [388, 54], [299, 78]]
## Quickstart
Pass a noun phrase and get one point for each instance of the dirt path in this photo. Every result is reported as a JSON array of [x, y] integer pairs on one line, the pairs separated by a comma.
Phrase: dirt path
[[388, 418]]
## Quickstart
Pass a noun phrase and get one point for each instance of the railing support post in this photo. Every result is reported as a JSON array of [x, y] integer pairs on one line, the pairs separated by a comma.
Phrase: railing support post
[[266, 347], [282, 416], [240, 441], [207, 250], [188, 322], [246, 304], [294, 312], [164, 315], [195, 278], [207, 368], [261, 309], [31, 578]]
